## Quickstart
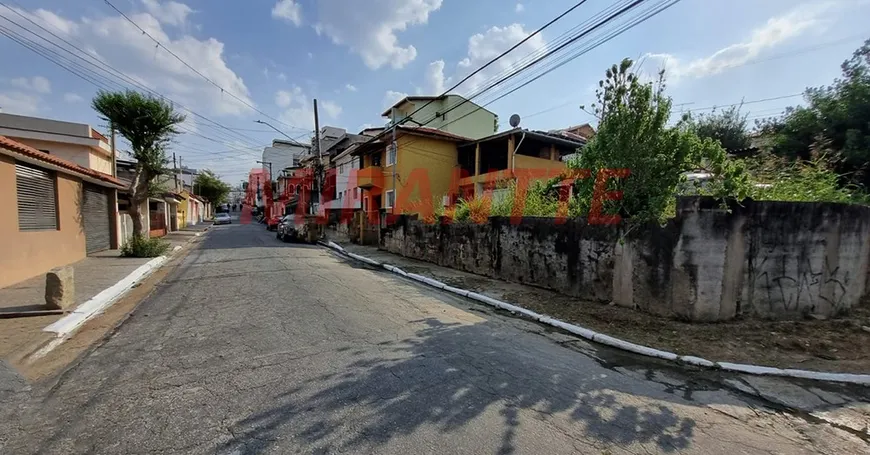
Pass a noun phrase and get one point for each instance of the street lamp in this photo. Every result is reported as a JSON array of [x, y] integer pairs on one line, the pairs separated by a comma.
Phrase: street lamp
[[276, 129]]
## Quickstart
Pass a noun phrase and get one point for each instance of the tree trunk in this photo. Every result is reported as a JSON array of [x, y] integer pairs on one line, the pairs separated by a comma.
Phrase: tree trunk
[[138, 195]]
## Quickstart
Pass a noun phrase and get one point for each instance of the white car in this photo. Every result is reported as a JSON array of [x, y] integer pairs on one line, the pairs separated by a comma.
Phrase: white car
[[223, 218]]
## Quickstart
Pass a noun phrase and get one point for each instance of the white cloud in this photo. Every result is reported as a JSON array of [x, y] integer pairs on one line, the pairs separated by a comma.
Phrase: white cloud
[[169, 13], [434, 80], [350, 87], [483, 47], [392, 97], [310, 55], [282, 77], [371, 31], [330, 108], [777, 30], [126, 49], [520, 8], [19, 103], [289, 11], [298, 109], [72, 97], [36, 84], [283, 98]]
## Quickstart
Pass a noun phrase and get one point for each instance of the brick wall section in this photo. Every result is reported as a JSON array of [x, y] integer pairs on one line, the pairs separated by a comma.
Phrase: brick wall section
[[759, 259]]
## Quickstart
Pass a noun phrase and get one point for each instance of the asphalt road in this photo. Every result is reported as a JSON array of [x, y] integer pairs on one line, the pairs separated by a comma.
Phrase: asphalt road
[[255, 346]]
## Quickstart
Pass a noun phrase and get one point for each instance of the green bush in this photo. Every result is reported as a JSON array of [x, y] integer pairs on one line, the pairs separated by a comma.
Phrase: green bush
[[140, 247], [812, 180]]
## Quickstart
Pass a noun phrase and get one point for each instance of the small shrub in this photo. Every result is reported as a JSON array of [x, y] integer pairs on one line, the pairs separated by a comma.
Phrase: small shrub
[[462, 211], [140, 247]]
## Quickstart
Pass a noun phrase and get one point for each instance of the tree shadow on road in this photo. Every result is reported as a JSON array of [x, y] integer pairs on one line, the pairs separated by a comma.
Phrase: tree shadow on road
[[449, 375]]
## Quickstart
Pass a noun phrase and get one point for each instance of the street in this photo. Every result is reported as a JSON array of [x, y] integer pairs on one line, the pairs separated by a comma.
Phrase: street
[[255, 346]]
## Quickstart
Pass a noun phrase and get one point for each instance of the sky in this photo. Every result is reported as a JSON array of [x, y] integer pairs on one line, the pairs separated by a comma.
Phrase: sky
[[228, 64]]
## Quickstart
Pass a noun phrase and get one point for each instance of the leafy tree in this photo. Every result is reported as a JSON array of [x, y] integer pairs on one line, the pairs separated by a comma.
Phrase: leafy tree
[[633, 134], [729, 127], [840, 112], [148, 124], [208, 185]]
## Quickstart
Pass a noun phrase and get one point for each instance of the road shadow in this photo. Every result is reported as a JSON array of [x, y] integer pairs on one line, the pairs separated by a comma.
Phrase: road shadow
[[445, 377]]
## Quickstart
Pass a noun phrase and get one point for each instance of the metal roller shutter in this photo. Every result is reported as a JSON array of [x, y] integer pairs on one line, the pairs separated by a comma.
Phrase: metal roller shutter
[[95, 212], [37, 198]]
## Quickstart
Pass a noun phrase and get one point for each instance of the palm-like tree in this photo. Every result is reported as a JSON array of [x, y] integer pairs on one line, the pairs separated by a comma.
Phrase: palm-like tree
[[148, 124]]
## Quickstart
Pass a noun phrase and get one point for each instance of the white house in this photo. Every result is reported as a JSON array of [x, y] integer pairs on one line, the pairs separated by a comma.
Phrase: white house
[[346, 196], [281, 155]]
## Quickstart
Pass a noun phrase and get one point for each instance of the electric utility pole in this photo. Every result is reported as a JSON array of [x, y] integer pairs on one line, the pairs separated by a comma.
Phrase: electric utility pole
[[112, 144], [175, 166], [318, 168]]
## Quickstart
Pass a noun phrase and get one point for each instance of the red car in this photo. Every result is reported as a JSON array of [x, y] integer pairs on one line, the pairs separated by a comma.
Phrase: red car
[[272, 223]]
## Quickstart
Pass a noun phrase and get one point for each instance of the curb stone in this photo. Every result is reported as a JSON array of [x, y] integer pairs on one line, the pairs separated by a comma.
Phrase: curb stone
[[848, 378]]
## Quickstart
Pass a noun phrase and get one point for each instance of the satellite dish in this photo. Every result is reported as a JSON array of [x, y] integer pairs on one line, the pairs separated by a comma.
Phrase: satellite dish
[[515, 120]]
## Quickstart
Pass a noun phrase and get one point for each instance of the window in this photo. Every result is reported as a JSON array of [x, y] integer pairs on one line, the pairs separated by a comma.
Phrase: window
[[341, 168], [391, 199], [37, 198], [391, 155]]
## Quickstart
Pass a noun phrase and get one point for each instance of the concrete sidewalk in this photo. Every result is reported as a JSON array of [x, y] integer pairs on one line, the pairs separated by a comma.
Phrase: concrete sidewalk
[[92, 275]]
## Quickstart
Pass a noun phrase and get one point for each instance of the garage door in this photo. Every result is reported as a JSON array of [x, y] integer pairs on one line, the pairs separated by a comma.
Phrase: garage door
[[95, 212]]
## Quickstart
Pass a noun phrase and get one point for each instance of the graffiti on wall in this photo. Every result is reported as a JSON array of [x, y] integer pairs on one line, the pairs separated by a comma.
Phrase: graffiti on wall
[[784, 284]]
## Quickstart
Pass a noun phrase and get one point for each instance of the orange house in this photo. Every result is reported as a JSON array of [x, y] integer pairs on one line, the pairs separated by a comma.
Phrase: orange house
[[56, 211]]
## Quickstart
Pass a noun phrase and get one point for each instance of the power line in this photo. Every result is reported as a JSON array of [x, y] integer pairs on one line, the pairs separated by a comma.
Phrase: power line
[[91, 76], [573, 39], [745, 102], [650, 12], [487, 64], [223, 90], [528, 60], [594, 45]]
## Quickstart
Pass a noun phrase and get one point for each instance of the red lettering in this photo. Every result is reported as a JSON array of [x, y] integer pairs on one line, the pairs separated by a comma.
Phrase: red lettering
[[600, 195]]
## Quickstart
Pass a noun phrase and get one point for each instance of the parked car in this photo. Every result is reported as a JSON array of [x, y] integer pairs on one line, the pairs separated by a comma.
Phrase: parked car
[[287, 228], [223, 218], [272, 223]]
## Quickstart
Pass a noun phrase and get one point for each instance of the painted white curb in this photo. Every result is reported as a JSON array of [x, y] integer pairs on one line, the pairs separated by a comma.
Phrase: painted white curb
[[861, 379], [98, 303]]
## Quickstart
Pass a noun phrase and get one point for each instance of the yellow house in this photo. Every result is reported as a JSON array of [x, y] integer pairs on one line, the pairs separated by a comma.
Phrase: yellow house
[[421, 170], [190, 209]]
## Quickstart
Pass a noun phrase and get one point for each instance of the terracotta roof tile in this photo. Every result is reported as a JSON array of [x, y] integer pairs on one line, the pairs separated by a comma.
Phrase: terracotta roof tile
[[30, 152]]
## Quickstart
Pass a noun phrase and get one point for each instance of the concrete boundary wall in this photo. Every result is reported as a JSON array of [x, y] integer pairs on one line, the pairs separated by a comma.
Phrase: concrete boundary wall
[[772, 260]]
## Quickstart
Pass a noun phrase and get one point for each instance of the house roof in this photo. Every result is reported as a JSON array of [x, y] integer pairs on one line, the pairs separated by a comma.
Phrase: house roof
[[411, 98], [424, 131], [29, 154], [432, 98], [551, 138]]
